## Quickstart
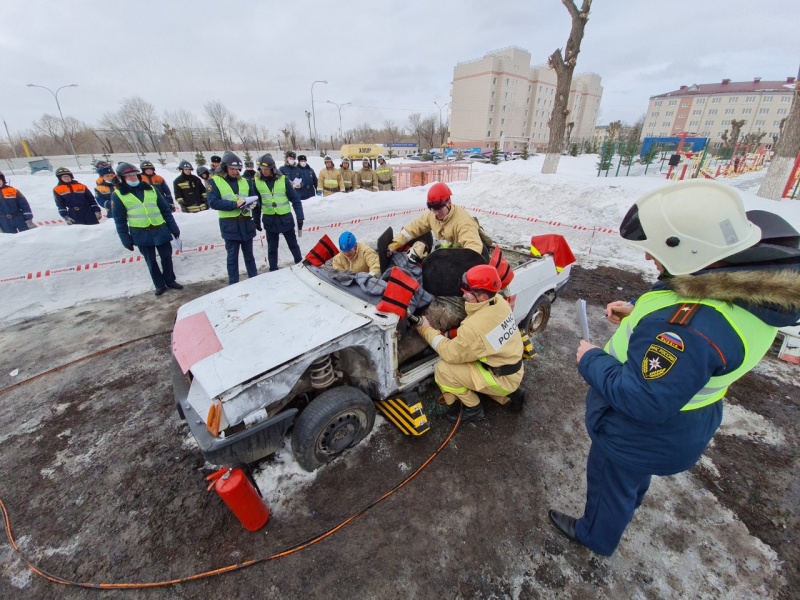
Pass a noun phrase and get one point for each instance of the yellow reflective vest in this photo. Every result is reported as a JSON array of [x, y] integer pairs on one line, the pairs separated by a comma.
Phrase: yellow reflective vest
[[142, 213], [756, 336], [227, 193], [274, 202]]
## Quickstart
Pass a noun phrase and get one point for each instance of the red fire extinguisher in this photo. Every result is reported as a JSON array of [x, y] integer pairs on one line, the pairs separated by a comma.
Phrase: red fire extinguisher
[[241, 496]]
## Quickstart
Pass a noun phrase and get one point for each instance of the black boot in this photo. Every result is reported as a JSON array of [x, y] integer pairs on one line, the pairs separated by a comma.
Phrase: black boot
[[517, 400], [468, 414], [565, 524]]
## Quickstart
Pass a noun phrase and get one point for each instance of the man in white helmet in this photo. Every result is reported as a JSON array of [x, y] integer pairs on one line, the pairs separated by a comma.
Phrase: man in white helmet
[[656, 388]]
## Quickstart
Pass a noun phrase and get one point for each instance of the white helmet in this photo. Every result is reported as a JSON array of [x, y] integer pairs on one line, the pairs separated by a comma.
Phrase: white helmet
[[689, 225]]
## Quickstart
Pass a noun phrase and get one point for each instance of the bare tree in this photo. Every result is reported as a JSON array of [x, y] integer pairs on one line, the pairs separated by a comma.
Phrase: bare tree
[[568, 134], [240, 129], [220, 119], [50, 136], [187, 128], [441, 131], [428, 128], [729, 141], [293, 134], [285, 133], [614, 130], [564, 68], [392, 132], [786, 151], [415, 127], [260, 137], [115, 126], [140, 116]]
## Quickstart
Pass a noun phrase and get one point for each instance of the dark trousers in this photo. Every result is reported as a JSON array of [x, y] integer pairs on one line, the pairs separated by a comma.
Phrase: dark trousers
[[272, 247], [613, 493], [165, 275], [232, 246]]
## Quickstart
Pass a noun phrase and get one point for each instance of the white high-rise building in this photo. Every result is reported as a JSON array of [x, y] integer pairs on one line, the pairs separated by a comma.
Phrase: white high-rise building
[[502, 98]]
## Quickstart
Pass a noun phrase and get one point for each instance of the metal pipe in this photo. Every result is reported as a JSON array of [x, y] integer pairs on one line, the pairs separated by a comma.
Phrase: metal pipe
[[313, 112]]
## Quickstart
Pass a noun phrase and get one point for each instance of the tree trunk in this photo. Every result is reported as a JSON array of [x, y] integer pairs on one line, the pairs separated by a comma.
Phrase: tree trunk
[[564, 68], [786, 151]]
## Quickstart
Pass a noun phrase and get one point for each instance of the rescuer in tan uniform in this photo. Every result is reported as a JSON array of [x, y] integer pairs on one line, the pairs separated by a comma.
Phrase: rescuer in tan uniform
[[349, 177], [356, 257], [367, 179], [485, 355], [330, 179], [451, 225], [385, 175]]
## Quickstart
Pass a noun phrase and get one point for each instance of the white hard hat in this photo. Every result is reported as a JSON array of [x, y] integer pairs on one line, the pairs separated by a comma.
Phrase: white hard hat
[[689, 225]]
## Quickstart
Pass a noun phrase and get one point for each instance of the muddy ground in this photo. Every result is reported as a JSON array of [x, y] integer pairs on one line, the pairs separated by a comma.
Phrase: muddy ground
[[102, 485]]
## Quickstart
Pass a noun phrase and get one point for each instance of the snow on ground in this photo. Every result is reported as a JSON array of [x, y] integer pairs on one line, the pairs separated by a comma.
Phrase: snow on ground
[[574, 197]]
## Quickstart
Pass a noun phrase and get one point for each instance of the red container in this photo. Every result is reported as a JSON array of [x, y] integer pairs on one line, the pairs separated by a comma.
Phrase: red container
[[241, 497]]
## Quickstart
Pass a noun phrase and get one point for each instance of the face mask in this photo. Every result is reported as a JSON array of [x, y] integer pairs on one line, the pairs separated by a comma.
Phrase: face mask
[[303, 163], [132, 183], [292, 161]]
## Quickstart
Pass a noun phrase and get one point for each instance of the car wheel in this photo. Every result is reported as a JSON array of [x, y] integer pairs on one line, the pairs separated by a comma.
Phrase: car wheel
[[537, 319], [334, 421]]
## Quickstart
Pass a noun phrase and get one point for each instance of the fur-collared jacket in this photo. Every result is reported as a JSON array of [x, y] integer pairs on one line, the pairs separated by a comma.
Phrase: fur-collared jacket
[[635, 417]]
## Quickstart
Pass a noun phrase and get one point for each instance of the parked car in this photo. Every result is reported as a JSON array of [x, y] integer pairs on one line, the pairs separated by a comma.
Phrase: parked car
[[299, 349], [480, 158], [514, 155]]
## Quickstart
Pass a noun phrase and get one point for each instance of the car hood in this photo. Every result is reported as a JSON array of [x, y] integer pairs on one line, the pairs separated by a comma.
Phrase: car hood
[[237, 333]]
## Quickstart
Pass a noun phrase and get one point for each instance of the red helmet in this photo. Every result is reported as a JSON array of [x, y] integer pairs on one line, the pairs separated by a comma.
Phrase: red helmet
[[483, 278], [438, 195]]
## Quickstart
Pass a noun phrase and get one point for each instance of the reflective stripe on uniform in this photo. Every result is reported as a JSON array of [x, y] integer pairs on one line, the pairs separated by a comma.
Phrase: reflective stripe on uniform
[[226, 193], [141, 213], [756, 336], [452, 390], [489, 379], [274, 202]]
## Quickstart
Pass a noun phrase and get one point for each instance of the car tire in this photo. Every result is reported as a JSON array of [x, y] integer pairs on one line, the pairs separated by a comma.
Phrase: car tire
[[538, 316], [335, 420]]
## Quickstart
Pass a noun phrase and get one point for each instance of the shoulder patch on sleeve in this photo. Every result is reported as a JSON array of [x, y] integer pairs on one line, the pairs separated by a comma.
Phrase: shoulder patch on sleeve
[[684, 314], [673, 340], [657, 362], [209, 188]]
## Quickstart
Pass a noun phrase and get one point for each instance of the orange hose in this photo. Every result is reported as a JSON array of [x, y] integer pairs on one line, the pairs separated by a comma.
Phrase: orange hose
[[227, 569]]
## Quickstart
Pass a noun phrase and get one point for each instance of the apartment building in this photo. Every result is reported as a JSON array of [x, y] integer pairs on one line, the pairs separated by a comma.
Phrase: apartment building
[[502, 98], [707, 109]]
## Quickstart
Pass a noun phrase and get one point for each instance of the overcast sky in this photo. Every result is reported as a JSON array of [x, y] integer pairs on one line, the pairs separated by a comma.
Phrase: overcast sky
[[388, 59]]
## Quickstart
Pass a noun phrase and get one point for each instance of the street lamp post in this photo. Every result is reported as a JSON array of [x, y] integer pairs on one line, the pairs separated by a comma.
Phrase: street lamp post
[[63, 122], [313, 113], [441, 108], [10, 141], [339, 106], [308, 118]]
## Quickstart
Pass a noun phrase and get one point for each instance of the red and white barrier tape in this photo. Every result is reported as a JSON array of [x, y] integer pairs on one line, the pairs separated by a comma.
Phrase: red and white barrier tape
[[495, 213], [39, 274]]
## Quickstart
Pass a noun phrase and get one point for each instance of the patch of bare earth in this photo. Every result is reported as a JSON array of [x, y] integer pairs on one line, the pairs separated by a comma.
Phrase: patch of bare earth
[[102, 484]]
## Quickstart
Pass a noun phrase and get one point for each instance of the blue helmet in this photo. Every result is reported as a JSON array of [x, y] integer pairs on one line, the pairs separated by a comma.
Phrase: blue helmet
[[347, 241]]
